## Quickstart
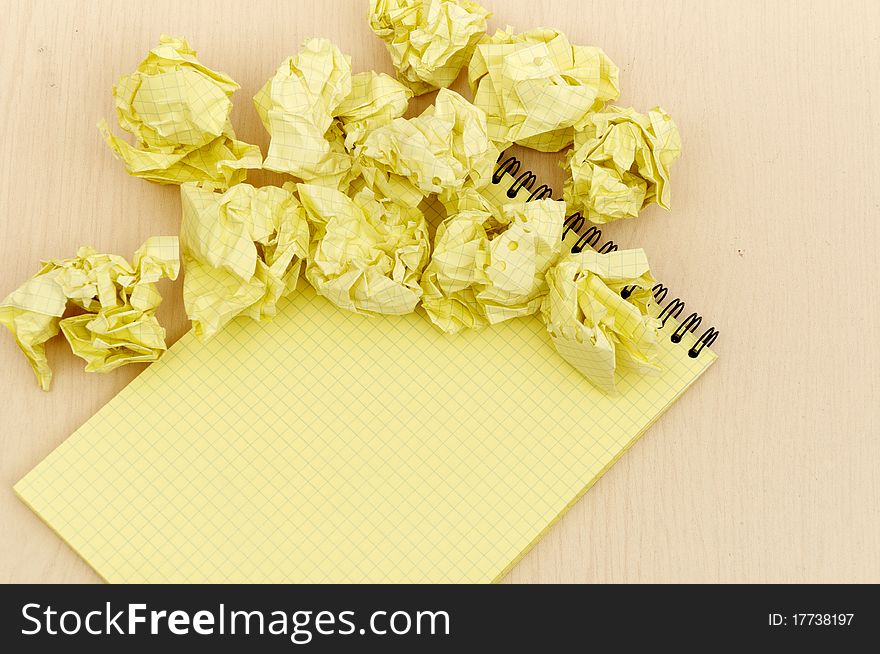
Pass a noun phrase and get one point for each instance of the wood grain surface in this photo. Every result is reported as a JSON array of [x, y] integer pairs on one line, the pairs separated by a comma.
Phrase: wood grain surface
[[768, 470]]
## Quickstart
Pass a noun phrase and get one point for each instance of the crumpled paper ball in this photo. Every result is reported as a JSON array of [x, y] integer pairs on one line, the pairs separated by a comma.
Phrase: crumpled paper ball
[[429, 40], [178, 110], [536, 87], [620, 163], [375, 100], [592, 325], [297, 107], [438, 152], [485, 270], [243, 251], [117, 300], [367, 252], [317, 113]]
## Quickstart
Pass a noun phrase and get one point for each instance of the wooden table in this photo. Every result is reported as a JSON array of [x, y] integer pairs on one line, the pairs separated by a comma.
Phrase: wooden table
[[768, 470]]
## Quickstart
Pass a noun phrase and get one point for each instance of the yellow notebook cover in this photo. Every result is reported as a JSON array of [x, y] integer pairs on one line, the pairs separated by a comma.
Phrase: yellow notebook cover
[[326, 446]]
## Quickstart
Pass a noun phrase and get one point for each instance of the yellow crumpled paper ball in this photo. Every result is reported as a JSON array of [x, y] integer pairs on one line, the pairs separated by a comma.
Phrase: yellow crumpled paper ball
[[620, 164], [178, 110], [438, 152], [367, 252], [536, 87], [242, 251], [375, 100], [118, 301], [317, 113], [592, 326], [485, 270], [429, 40], [297, 107]]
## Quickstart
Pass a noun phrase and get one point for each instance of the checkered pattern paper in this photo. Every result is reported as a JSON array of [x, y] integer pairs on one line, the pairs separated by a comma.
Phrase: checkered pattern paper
[[326, 446]]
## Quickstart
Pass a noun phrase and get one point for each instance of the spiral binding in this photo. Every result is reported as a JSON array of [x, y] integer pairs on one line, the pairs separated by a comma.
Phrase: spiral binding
[[592, 236]]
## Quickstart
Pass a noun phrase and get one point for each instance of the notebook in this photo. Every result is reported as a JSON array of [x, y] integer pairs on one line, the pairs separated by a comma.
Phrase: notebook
[[326, 446]]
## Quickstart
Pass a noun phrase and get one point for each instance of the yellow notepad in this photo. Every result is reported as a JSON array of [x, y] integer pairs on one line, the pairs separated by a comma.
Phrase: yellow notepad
[[326, 446]]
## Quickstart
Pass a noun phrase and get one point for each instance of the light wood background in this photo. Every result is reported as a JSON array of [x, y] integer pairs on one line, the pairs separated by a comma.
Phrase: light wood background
[[768, 470]]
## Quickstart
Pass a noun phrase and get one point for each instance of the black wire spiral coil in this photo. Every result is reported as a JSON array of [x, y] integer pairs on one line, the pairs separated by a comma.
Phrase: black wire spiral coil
[[592, 236]]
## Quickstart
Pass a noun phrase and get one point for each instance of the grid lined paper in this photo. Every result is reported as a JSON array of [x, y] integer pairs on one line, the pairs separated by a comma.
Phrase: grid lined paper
[[326, 446]]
